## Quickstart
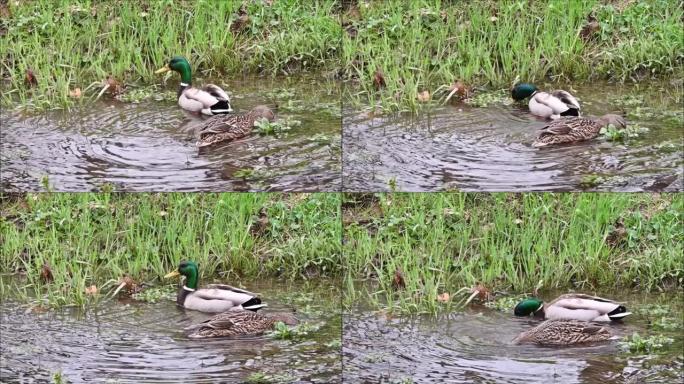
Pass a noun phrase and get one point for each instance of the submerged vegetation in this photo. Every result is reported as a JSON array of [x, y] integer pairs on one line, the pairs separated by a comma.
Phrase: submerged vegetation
[[428, 252], [400, 51], [55, 53], [70, 248]]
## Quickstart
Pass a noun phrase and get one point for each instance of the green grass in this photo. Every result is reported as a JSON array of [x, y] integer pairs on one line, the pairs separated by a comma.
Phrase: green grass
[[77, 44], [96, 239], [424, 44], [448, 242]]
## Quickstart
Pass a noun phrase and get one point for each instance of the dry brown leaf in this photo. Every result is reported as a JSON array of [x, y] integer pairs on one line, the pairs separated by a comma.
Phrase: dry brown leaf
[[30, 79], [443, 297], [378, 79], [260, 226], [114, 86], [423, 96], [482, 292], [618, 234], [92, 290], [75, 93], [239, 24], [590, 29], [46, 273], [398, 280]]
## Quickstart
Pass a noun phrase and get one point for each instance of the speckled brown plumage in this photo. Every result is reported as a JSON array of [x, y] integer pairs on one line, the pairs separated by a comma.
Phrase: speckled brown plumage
[[239, 323], [223, 128], [564, 332], [574, 129]]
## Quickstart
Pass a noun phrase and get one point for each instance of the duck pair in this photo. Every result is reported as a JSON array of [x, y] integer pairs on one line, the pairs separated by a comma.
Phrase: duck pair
[[236, 308], [213, 101], [570, 319], [564, 109]]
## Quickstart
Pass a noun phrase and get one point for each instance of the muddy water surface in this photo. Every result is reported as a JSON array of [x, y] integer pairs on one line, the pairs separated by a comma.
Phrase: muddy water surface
[[136, 342], [150, 146], [489, 148], [475, 347]]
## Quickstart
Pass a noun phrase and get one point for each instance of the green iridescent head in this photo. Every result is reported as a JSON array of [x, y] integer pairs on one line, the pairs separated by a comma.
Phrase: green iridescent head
[[181, 65], [190, 270], [522, 91], [528, 307]]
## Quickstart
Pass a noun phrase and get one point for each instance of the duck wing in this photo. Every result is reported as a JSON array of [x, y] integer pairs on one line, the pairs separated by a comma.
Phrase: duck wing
[[550, 101], [569, 100], [216, 91], [195, 95], [231, 288]]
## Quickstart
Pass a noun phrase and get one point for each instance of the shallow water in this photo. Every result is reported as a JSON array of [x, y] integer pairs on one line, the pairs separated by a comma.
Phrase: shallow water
[[489, 149], [475, 347], [150, 146], [140, 342]]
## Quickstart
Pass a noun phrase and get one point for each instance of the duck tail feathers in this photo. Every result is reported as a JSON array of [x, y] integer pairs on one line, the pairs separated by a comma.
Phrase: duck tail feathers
[[618, 313], [254, 307]]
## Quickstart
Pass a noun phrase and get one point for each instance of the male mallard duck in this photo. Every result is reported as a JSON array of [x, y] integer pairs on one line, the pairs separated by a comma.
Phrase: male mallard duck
[[573, 306], [238, 323], [231, 127], [210, 100], [214, 298], [564, 332], [548, 105], [575, 129]]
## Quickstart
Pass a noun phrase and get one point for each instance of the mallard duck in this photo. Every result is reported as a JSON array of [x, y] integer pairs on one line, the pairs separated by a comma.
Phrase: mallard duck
[[210, 100], [231, 127], [551, 105], [573, 129], [238, 323], [215, 297], [564, 332], [573, 306]]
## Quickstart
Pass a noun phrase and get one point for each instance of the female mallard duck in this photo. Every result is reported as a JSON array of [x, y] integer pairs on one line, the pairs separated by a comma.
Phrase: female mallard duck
[[564, 332], [231, 127], [210, 100], [573, 306], [238, 323], [215, 297], [575, 129], [548, 105]]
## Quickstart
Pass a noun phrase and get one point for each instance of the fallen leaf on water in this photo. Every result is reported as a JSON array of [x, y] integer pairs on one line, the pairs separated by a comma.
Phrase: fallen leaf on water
[[443, 297], [92, 290], [378, 79], [424, 96], [46, 273], [75, 93], [398, 280]]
